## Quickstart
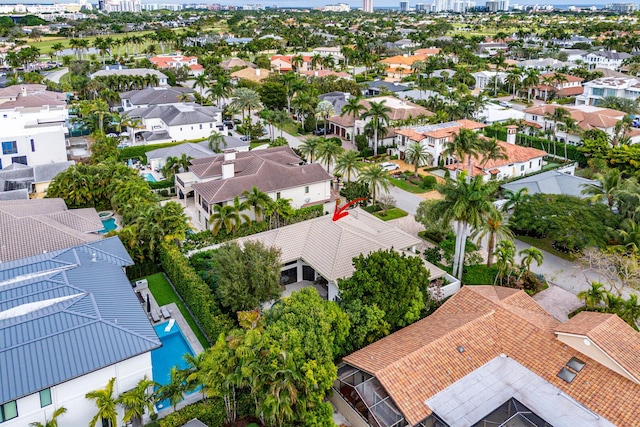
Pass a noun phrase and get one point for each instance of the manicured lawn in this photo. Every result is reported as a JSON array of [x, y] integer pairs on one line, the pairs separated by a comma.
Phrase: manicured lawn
[[290, 128], [407, 186], [65, 78], [164, 294], [390, 214], [545, 245]]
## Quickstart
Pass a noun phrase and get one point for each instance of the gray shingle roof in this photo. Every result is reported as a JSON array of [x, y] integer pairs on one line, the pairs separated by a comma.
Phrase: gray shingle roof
[[155, 95], [551, 182], [129, 72], [270, 170], [178, 114], [66, 313], [34, 226]]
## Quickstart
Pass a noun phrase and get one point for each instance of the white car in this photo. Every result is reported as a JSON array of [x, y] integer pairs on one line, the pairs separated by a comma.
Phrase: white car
[[388, 166]]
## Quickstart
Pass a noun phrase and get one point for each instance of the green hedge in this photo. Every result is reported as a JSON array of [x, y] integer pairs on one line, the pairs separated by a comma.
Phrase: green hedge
[[140, 151], [165, 183], [194, 291], [573, 152], [479, 274], [211, 412]]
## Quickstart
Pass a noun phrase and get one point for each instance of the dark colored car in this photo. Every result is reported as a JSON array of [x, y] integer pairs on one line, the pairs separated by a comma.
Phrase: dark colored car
[[228, 124], [318, 132]]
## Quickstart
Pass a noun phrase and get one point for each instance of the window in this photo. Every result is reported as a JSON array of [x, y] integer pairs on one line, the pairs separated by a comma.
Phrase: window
[[278, 195], [33, 146], [522, 168], [534, 118], [597, 91], [0, 163], [200, 125], [210, 125], [19, 159], [8, 411], [306, 190], [540, 162], [9, 147], [45, 397], [530, 165]]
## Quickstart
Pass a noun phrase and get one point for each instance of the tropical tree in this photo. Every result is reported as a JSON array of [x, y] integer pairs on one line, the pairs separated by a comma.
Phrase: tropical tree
[[465, 144], [229, 216], [309, 148], [329, 151], [53, 422], [418, 155], [106, 405], [278, 212], [513, 199], [492, 149], [494, 227], [630, 311], [531, 80], [378, 114], [137, 401], [505, 255], [257, 200], [593, 296], [324, 110], [376, 178], [353, 108], [348, 163], [529, 255], [245, 99], [174, 390], [610, 184], [216, 139]]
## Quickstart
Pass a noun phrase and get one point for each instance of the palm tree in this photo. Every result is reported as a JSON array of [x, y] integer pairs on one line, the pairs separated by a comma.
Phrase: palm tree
[[353, 108], [230, 216], [106, 405], [529, 255], [379, 114], [547, 81], [465, 143], [215, 140], [376, 178], [594, 296], [505, 253], [329, 151], [610, 183], [630, 311], [324, 110], [257, 200], [515, 199], [174, 390], [245, 99], [279, 210], [514, 79], [559, 115], [418, 155], [467, 203], [531, 80], [492, 150], [53, 422], [348, 163], [613, 303], [494, 227], [309, 148], [137, 401]]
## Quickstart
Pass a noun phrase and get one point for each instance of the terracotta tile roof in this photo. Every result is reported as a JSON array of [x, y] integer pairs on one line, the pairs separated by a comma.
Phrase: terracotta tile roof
[[611, 334], [411, 134], [253, 74], [324, 73], [400, 110], [571, 91], [470, 124], [600, 118], [569, 77], [403, 60], [533, 124], [515, 154], [428, 51], [344, 121], [421, 360]]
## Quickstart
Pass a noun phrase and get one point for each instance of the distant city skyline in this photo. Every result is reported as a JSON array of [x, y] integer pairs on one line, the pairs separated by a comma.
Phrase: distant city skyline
[[354, 4]]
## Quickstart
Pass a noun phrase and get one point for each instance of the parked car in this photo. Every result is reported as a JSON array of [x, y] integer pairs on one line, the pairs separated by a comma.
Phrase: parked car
[[388, 166], [245, 138], [228, 124], [318, 132], [220, 127], [265, 131], [505, 104]]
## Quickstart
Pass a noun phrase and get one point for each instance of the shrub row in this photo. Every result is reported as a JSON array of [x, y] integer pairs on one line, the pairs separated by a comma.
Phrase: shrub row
[[194, 291], [573, 152], [165, 183], [211, 412], [140, 151]]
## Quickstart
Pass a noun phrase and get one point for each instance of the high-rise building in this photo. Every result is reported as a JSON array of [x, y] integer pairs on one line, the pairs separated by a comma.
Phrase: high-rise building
[[367, 6], [497, 5], [404, 6], [458, 6], [623, 7], [421, 7]]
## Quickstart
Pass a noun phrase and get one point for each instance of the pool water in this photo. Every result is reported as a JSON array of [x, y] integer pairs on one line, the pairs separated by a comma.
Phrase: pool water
[[149, 177], [109, 225], [174, 347]]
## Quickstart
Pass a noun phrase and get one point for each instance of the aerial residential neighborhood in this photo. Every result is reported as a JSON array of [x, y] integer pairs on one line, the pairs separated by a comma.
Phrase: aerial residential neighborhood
[[367, 215]]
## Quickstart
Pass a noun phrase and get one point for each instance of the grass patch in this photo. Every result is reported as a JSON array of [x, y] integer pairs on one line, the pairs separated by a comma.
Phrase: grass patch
[[479, 274], [545, 245], [258, 142], [65, 78], [407, 186], [290, 128], [393, 213], [164, 294]]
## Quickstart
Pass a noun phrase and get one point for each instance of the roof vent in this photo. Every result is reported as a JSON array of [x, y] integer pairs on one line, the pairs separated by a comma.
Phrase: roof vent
[[460, 349], [94, 257]]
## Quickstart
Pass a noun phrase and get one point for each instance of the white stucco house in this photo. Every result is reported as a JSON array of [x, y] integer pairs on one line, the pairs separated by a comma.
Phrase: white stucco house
[[277, 171], [33, 123], [63, 336], [609, 59], [621, 87], [484, 77], [151, 96]]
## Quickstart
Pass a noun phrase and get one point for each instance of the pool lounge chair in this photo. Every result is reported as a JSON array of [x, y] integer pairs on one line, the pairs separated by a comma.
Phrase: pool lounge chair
[[155, 316], [165, 312]]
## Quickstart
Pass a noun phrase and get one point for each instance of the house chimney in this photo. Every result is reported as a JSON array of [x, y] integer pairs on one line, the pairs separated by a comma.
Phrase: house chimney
[[315, 73], [511, 134], [228, 166], [257, 71], [24, 90], [229, 155]]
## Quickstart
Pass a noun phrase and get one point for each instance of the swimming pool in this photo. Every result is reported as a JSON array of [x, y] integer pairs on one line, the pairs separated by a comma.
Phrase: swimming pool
[[174, 347], [109, 225], [149, 177]]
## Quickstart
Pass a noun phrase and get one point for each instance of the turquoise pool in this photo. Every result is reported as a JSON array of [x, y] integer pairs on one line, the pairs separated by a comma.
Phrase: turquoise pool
[[149, 177], [174, 347], [109, 225]]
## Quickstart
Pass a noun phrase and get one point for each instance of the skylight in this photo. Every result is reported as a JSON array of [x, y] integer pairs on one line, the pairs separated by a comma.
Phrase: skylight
[[567, 375]]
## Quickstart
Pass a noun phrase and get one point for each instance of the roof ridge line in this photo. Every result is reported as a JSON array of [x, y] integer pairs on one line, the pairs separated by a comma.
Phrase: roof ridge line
[[119, 327]]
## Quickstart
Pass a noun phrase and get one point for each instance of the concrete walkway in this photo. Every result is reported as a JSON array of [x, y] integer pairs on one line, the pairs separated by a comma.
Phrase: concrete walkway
[[56, 75]]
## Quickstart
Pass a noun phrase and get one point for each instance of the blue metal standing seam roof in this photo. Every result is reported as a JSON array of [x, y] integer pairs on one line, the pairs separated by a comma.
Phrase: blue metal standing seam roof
[[96, 322]]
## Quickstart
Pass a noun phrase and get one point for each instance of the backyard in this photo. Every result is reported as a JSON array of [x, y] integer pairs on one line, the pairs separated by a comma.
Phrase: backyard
[[164, 294]]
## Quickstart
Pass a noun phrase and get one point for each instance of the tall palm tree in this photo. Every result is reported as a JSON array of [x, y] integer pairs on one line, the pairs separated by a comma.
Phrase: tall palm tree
[[418, 155], [309, 148], [174, 390], [593, 296], [376, 178], [630, 311], [257, 200], [378, 114], [465, 144], [531, 80], [610, 183], [547, 81], [515, 199], [348, 163], [558, 115], [353, 108], [529, 255], [215, 140], [492, 150], [278, 211], [53, 422], [514, 80], [245, 99], [137, 401], [324, 110], [329, 151], [467, 203], [106, 405], [495, 227], [505, 254]]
